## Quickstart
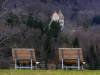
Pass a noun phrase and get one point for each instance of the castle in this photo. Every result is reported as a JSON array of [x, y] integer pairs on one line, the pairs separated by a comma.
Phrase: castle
[[58, 17]]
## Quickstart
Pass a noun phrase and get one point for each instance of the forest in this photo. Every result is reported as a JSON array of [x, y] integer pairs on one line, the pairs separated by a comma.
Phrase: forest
[[24, 24]]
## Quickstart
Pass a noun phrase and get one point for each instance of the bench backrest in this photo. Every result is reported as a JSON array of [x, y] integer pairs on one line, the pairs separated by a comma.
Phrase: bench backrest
[[23, 53], [70, 54]]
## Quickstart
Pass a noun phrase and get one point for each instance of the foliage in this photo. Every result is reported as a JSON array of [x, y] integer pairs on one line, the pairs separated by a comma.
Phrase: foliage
[[94, 62], [12, 19], [96, 20], [53, 32], [86, 25], [75, 43], [34, 23], [42, 37], [54, 29]]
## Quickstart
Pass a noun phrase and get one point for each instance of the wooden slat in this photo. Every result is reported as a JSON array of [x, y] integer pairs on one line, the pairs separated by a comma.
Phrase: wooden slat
[[23, 53], [70, 53]]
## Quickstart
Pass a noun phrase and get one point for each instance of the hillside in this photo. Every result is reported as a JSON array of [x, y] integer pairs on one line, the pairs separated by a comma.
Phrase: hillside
[[82, 21], [74, 10]]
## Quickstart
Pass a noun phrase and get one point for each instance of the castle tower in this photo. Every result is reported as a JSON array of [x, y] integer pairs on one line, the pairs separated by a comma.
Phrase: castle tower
[[55, 17], [58, 17], [61, 19]]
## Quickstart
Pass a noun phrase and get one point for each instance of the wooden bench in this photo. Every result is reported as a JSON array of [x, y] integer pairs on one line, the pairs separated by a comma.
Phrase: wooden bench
[[24, 58], [71, 57]]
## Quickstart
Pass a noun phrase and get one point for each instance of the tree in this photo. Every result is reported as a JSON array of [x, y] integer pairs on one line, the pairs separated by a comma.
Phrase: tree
[[12, 19], [86, 24], [54, 29], [30, 21], [93, 57], [52, 32], [34, 23], [97, 58], [75, 43], [96, 20]]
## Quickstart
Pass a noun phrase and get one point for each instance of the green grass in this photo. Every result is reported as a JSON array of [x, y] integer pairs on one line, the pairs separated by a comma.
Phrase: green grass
[[49, 72]]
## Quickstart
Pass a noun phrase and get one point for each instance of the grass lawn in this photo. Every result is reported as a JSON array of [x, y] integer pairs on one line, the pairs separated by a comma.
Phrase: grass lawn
[[49, 72]]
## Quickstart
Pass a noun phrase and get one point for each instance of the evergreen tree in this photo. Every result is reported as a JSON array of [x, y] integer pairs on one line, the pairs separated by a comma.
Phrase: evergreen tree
[[86, 24], [30, 21], [52, 32], [34, 23], [97, 59], [93, 54], [54, 29], [12, 19], [75, 43]]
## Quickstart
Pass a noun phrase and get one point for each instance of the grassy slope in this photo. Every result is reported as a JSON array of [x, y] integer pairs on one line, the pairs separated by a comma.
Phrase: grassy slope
[[49, 72]]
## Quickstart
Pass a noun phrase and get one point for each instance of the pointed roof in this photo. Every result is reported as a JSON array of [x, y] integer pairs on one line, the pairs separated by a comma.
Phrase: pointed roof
[[55, 16], [61, 16]]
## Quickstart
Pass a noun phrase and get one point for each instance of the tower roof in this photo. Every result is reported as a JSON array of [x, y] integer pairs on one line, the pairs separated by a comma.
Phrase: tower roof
[[55, 16], [61, 16]]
